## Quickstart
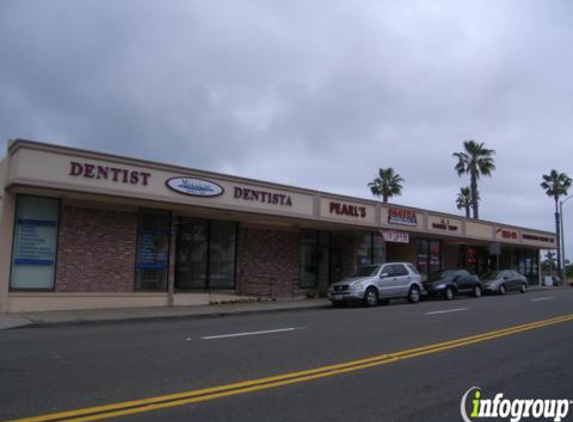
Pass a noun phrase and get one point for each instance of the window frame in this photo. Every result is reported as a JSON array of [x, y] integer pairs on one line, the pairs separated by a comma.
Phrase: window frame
[[14, 227], [169, 238]]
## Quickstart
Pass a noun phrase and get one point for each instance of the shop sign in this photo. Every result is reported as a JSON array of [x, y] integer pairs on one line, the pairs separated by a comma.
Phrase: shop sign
[[114, 174], [395, 236], [194, 187], [262, 196], [506, 233], [444, 224], [402, 217], [536, 238], [340, 208]]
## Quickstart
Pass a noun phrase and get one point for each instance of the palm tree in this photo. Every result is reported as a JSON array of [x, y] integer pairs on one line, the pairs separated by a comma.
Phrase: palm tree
[[556, 185], [464, 200], [475, 160], [386, 184]]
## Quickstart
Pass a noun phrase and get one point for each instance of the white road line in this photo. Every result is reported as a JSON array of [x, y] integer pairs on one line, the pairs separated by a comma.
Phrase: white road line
[[252, 333], [446, 311], [537, 299]]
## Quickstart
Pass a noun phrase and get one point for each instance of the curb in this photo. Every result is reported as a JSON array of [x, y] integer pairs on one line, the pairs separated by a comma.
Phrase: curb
[[157, 318]]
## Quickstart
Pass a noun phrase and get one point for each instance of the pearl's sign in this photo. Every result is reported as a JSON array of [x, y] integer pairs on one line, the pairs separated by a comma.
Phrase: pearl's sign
[[194, 187], [340, 208], [114, 174]]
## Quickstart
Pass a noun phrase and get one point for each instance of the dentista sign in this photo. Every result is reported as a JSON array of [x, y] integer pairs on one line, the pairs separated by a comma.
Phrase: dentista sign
[[194, 187]]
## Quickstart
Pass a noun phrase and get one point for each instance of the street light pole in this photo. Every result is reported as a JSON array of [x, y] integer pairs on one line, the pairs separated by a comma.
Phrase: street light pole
[[564, 267]]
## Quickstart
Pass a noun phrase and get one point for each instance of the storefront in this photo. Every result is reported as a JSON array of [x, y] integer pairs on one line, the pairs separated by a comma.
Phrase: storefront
[[90, 230]]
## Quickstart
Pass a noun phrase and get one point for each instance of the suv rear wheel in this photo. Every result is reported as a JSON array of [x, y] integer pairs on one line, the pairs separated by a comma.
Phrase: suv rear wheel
[[371, 297], [414, 294]]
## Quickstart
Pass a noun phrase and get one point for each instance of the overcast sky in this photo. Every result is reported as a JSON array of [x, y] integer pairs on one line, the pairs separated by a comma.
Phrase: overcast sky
[[318, 94]]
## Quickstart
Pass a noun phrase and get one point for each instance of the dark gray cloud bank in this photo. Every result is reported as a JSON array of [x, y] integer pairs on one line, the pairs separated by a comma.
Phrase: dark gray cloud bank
[[312, 93]]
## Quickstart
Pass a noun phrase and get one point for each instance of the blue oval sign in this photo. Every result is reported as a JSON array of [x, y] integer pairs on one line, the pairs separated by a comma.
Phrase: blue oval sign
[[194, 187]]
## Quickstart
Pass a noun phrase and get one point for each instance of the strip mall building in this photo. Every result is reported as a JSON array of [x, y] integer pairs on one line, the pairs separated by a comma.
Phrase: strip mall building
[[81, 229]]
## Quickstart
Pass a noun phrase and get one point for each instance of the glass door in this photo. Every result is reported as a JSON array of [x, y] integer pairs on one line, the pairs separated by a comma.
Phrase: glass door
[[192, 254], [205, 255]]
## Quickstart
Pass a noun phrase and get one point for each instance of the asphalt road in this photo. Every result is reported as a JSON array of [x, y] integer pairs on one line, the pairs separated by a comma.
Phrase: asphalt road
[[46, 370]]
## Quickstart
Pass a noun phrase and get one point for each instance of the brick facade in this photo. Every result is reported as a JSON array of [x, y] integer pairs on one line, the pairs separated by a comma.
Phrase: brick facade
[[268, 262], [96, 250]]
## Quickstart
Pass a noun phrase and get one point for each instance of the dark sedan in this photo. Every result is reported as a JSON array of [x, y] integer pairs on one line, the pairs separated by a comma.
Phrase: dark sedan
[[504, 281], [449, 282]]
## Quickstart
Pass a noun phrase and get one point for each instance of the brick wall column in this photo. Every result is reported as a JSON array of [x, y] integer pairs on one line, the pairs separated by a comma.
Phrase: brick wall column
[[96, 250], [268, 262]]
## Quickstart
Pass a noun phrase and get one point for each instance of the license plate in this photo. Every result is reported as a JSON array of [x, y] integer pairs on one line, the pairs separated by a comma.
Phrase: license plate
[[337, 297]]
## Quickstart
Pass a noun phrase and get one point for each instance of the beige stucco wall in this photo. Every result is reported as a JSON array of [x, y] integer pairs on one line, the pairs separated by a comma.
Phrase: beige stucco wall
[[6, 231], [48, 166], [479, 230], [30, 302], [42, 168], [38, 302], [444, 225]]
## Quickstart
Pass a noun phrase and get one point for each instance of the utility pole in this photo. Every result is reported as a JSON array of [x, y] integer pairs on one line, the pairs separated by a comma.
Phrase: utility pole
[[562, 239]]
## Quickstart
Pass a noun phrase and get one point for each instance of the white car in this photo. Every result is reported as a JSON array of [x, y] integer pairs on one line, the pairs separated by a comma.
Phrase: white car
[[373, 283]]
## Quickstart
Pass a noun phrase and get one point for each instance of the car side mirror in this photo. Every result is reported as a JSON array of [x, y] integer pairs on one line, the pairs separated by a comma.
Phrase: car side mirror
[[384, 275]]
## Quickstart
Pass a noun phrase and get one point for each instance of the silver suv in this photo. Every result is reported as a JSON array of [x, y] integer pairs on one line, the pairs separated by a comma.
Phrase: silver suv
[[373, 283]]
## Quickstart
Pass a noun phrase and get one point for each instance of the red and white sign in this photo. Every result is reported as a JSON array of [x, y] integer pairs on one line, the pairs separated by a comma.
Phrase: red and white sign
[[395, 236], [506, 234], [402, 217]]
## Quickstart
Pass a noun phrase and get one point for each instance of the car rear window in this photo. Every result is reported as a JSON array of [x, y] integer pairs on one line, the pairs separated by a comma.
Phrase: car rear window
[[413, 269]]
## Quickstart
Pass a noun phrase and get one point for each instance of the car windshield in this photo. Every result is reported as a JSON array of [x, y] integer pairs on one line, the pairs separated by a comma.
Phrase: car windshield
[[492, 275], [366, 271], [437, 275]]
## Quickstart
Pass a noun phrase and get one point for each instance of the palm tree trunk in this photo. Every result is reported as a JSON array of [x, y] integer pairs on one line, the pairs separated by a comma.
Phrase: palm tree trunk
[[558, 239], [474, 193], [384, 198], [468, 211]]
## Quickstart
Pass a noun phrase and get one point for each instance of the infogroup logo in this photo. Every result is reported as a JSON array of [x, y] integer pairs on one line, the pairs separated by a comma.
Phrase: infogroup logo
[[512, 409]]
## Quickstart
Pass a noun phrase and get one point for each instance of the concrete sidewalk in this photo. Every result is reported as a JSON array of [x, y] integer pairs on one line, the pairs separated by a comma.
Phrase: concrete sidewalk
[[95, 316]]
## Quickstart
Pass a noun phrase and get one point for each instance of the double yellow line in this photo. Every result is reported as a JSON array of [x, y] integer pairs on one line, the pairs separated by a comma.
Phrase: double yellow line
[[195, 396]]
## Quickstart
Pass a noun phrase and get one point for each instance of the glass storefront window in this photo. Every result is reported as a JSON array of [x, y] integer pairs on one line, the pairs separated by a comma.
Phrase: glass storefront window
[[309, 259], [422, 257], [222, 255], [428, 256], [152, 254], [364, 250], [35, 243], [205, 254], [434, 255], [378, 249], [527, 264]]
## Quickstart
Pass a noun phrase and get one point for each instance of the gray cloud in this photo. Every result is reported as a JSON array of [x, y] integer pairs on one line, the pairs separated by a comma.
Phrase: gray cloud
[[316, 94]]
